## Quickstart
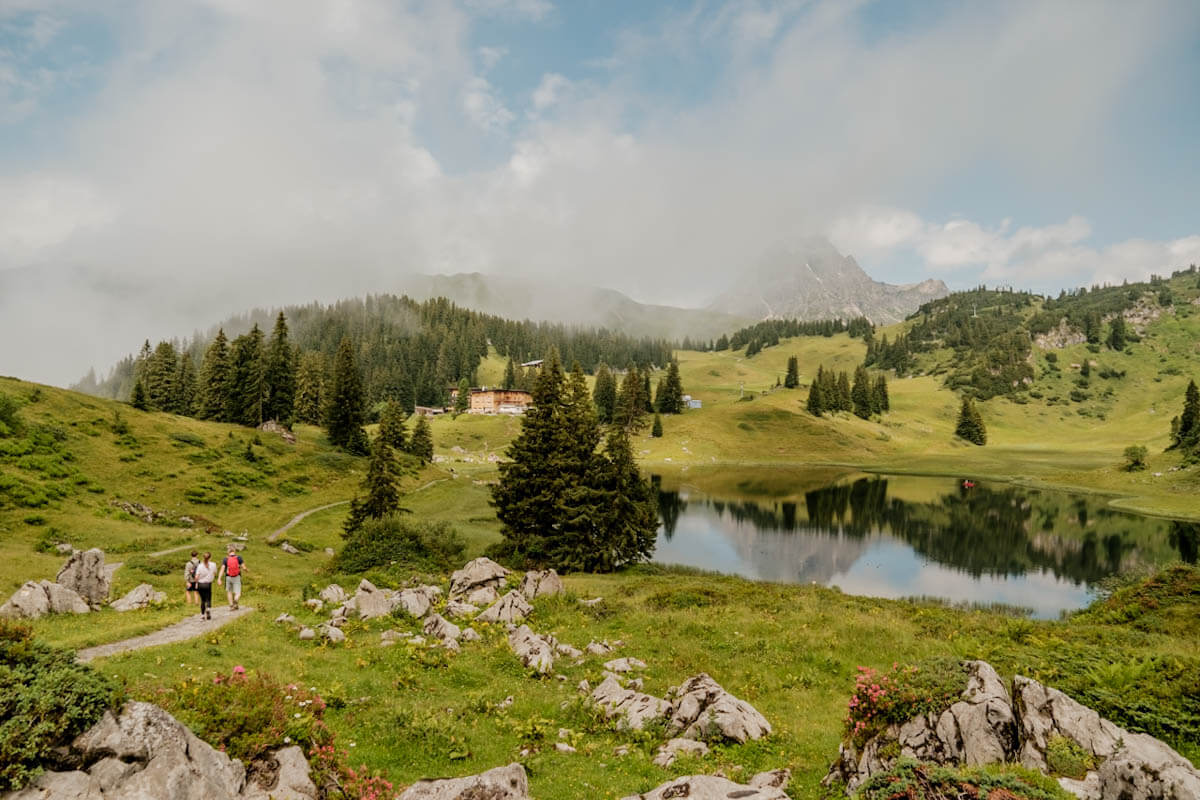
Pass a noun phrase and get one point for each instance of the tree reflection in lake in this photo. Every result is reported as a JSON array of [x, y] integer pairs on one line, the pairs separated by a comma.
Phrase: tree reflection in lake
[[987, 534]]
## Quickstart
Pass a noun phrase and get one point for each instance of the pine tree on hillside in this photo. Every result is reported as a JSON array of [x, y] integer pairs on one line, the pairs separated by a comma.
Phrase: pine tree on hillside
[[510, 375], [844, 400], [310, 387], [816, 400], [183, 400], [462, 400], [647, 398], [793, 373], [421, 442], [392, 428], [628, 513], [137, 397], [247, 386], [880, 402], [722, 343], [656, 430], [382, 488], [344, 413], [1118, 335], [671, 402], [660, 394], [604, 394], [970, 423], [279, 375], [629, 399], [214, 381], [860, 395], [159, 372], [1186, 432]]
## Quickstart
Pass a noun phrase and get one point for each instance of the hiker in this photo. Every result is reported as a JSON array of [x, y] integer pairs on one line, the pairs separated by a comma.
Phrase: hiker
[[206, 570], [231, 570], [189, 580]]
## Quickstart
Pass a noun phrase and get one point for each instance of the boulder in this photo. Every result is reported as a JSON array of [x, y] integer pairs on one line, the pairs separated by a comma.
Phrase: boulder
[[285, 619], [291, 780], [535, 652], [710, 787], [73, 785], [333, 594], [37, 598], [140, 597], [372, 602], [439, 628], [84, 574], [1046, 712], [541, 583], [332, 633], [501, 783], [564, 649], [271, 426], [624, 664], [598, 648], [668, 752], [510, 608], [64, 601], [415, 602], [1147, 769], [470, 635], [315, 604], [478, 573], [702, 709], [391, 637], [64, 548], [288, 548], [456, 608], [631, 709], [307, 633], [482, 596]]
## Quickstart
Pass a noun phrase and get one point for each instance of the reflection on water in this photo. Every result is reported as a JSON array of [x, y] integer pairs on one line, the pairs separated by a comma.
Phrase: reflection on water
[[999, 544]]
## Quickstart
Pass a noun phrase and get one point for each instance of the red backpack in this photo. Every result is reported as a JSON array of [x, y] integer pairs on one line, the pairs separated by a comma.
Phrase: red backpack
[[233, 566]]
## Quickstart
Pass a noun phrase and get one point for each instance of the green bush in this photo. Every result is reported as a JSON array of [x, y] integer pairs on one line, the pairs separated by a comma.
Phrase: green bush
[[1066, 758], [428, 546], [46, 700], [190, 439], [1135, 457], [155, 566], [909, 780]]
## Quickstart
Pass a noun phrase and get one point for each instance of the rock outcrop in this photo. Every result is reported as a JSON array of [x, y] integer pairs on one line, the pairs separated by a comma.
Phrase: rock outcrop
[[536, 652], [142, 596], [501, 783], [631, 709], [144, 752], [987, 725], [37, 598], [333, 594], [713, 787], [480, 573], [84, 574], [702, 709], [667, 754], [510, 608], [443, 630], [541, 583]]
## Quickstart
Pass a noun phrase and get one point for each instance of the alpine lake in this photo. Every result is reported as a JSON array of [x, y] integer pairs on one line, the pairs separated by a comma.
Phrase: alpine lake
[[1037, 551]]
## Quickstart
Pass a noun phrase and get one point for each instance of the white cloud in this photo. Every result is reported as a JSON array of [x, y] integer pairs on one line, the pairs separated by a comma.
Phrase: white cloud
[[535, 10], [491, 56], [1043, 257], [483, 108], [549, 90]]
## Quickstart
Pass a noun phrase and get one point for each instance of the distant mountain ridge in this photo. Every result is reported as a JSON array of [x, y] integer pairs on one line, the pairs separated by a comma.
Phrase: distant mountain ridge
[[814, 281], [544, 301]]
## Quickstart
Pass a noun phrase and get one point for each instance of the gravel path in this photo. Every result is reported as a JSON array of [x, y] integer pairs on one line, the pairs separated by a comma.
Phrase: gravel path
[[296, 519], [181, 631]]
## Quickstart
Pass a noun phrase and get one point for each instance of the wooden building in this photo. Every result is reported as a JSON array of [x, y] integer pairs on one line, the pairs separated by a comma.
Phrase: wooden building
[[499, 401]]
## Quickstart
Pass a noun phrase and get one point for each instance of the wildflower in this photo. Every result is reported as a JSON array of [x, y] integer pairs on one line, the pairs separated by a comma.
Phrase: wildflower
[[239, 670], [296, 715], [287, 740]]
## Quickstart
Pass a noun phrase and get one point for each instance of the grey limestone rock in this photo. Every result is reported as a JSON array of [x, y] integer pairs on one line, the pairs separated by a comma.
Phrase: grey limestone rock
[[702, 708], [482, 596], [631, 709], [541, 583], [710, 787], [458, 609], [37, 598], [1047, 712], [476, 574], [510, 608], [470, 635], [501, 783], [333, 594], [307, 633], [536, 652], [332, 633], [84, 574], [668, 752], [292, 781], [288, 548], [625, 664], [141, 596], [441, 629]]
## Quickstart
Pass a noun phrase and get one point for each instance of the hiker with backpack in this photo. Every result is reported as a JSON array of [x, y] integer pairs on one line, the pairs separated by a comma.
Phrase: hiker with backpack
[[189, 580], [206, 570], [231, 570]]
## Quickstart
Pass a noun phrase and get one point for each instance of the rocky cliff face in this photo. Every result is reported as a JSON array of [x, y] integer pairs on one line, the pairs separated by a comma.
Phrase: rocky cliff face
[[815, 281]]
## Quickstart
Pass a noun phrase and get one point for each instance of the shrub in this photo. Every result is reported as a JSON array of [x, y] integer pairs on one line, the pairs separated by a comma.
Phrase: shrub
[[1135, 457], [880, 699], [190, 439], [428, 546], [908, 780], [8, 415], [1066, 758], [46, 700]]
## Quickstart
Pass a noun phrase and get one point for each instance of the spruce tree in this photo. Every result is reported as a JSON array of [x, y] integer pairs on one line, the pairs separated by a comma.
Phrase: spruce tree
[[279, 375], [844, 400], [214, 381], [656, 429], [510, 375], [310, 387], [382, 488], [137, 398], [672, 400], [816, 401], [629, 400], [421, 443], [391, 427], [344, 414], [184, 399], [629, 511], [1186, 433], [1118, 335], [793, 373], [879, 397], [604, 394], [158, 377], [660, 395], [462, 401], [860, 395], [970, 423], [247, 386]]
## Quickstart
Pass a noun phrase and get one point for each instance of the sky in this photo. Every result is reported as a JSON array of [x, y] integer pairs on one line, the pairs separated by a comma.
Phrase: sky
[[164, 165]]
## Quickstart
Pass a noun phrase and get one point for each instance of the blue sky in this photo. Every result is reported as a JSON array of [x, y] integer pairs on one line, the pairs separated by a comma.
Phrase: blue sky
[[217, 154]]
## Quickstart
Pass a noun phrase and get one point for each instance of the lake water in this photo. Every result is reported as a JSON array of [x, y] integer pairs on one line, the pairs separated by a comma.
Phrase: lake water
[[911, 537]]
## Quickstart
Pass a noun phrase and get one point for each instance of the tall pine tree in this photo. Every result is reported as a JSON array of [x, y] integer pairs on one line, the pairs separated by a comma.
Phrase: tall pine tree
[[213, 401], [279, 375], [310, 387], [1186, 431], [421, 442], [391, 427], [671, 399], [970, 423], [816, 399], [860, 395], [247, 386], [604, 394], [792, 380], [344, 412]]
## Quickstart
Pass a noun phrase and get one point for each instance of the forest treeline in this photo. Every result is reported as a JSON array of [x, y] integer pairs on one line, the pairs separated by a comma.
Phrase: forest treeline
[[409, 351]]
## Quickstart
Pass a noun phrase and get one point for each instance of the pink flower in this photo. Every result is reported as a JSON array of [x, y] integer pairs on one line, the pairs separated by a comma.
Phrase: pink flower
[[239, 670]]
